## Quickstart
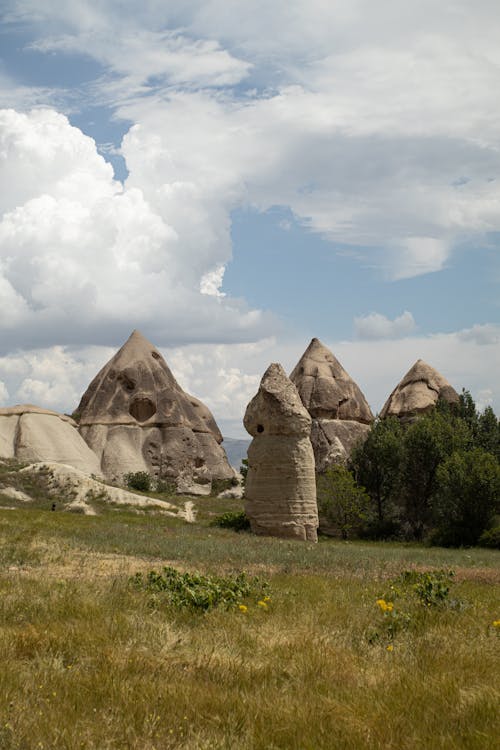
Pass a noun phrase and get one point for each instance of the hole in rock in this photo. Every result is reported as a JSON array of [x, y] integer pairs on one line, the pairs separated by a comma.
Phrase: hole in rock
[[260, 428], [198, 462], [155, 355], [142, 409]]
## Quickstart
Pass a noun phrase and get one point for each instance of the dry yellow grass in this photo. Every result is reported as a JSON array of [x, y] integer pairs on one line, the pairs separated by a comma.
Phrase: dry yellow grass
[[89, 662]]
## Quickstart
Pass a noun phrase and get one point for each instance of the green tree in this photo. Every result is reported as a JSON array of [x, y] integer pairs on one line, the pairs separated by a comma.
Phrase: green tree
[[377, 466], [466, 497], [427, 443], [341, 502], [488, 432]]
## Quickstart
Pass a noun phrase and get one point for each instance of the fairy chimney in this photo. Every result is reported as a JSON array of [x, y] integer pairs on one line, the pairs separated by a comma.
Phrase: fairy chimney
[[136, 417], [341, 417], [418, 392], [280, 491]]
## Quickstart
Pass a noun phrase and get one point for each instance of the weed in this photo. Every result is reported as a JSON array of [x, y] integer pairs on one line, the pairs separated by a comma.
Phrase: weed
[[138, 480], [200, 592], [431, 587], [236, 520]]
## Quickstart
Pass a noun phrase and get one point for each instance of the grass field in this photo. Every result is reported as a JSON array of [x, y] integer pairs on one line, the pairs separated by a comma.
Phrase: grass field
[[90, 661]]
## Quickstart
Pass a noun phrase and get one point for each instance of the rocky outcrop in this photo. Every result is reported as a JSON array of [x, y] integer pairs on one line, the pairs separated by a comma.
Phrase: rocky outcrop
[[418, 393], [280, 490], [340, 413], [30, 433], [76, 491], [136, 417]]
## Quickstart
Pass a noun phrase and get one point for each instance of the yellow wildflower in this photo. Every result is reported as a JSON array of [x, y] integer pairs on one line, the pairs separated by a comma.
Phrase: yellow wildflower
[[243, 608], [496, 623], [266, 599], [262, 604], [390, 647]]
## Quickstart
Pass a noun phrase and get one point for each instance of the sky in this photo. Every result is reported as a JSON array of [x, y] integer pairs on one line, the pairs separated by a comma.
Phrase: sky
[[235, 177]]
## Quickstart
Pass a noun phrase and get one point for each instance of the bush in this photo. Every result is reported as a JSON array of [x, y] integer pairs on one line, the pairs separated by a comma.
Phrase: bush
[[466, 498], [432, 587], [200, 592], [490, 538], [341, 502], [236, 520], [138, 480]]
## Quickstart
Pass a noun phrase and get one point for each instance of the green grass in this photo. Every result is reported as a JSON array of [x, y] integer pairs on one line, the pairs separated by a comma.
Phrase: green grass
[[89, 661]]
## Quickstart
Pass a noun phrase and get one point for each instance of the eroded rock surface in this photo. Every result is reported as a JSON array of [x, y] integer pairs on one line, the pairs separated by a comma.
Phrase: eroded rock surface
[[418, 393], [136, 417], [30, 433], [280, 491], [340, 413]]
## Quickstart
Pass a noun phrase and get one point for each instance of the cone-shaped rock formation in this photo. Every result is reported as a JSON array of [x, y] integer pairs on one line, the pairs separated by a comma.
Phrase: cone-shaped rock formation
[[136, 417], [418, 392], [280, 491], [341, 415], [30, 433]]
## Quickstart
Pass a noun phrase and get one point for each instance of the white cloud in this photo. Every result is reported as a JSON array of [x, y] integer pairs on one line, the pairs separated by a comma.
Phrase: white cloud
[[484, 335], [377, 326], [4, 394], [368, 117], [81, 256]]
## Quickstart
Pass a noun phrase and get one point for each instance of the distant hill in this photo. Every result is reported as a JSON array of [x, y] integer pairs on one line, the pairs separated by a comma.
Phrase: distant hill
[[236, 449]]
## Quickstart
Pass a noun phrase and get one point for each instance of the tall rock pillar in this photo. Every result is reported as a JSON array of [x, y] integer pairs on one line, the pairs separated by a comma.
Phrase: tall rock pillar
[[280, 491]]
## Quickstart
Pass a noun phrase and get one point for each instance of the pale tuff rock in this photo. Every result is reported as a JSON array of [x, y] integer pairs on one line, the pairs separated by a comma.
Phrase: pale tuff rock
[[341, 415], [333, 440], [77, 490], [136, 417], [280, 490], [15, 494], [30, 433], [418, 393], [326, 389]]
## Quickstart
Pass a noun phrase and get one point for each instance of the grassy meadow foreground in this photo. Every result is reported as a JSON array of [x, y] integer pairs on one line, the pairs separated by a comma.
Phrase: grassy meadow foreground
[[90, 660]]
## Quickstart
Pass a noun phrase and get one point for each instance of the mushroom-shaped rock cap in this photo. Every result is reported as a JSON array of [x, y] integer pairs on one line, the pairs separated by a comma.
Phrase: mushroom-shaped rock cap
[[326, 389], [137, 387], [276, 409], [418, 392]]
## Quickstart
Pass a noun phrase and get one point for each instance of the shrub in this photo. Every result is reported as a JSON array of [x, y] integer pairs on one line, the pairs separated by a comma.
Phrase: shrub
[[466, 497], [341, 502], [200, 592], [236, 520], [138, 480], [431, 587], [490, 538]]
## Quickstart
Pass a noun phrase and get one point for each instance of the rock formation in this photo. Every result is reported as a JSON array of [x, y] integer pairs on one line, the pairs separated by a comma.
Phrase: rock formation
[[418, 393], [30, 433], [136, 417], [280, 491], [340, 413]]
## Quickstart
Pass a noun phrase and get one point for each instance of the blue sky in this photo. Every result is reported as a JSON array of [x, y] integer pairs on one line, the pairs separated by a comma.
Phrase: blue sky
[[236, 179]]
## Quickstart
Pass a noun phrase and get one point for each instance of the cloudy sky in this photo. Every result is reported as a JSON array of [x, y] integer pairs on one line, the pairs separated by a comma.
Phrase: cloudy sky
[[234, 177]]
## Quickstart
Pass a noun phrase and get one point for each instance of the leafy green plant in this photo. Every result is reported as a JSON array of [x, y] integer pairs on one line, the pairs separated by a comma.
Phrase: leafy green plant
[[138, 480], [490, 538], [200, 592], [341, 502], [431, 587], [236, 520]]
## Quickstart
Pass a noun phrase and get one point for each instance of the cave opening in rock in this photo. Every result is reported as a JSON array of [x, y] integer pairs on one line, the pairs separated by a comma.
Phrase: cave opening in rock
[[142, 409]]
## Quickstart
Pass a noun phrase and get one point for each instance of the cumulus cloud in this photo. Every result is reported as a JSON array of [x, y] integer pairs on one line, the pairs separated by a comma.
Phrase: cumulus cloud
[[4, 394], [375, 125], [377, 326], [484, 335], [84, 259]]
